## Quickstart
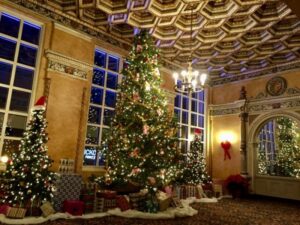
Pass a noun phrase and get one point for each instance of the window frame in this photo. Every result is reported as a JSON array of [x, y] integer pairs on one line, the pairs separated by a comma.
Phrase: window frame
[[39, 46], [102, 106], [189, 125]]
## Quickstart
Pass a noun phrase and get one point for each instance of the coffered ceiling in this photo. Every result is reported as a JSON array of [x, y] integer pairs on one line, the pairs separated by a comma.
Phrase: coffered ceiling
[[232, 39]]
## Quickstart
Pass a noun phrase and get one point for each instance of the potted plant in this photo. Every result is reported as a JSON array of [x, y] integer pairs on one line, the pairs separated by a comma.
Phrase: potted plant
[[237, 185]]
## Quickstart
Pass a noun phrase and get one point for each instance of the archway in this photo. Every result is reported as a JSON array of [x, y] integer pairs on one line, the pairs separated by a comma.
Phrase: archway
[[271, 180]]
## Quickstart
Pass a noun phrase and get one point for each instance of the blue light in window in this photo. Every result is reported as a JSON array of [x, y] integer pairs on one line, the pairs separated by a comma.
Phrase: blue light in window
[[9, 25], [11, 17], [32, 25], [31, 33]]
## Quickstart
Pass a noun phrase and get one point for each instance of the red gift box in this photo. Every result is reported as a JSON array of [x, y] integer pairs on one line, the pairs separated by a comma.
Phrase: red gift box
[[4, 209], [122, 203], [74, 207], [106, 194]]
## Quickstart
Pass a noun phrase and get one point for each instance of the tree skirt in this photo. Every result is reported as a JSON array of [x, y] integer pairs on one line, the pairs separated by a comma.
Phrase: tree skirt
[[170, 213]]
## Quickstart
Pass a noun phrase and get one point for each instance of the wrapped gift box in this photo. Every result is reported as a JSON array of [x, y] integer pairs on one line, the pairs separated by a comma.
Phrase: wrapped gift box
[[16, 213], [4, 209], [175, 202], [123, 203], [138, 200], [68, 186], [47, 209], [106, 194], [74, 207], [99, 205], [191, 191], [88, 194], [109, 203]]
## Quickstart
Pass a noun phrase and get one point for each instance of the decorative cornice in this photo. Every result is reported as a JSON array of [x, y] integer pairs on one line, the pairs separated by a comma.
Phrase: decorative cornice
[[257, 106], [67, 65], [291, 66], [226, 109], [288, 93]]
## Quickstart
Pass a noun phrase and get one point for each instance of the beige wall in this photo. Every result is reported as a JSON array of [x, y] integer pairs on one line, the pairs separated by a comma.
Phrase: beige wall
[[230, 92]]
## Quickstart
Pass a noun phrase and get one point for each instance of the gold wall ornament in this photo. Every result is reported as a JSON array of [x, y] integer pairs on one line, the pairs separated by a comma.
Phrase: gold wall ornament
[[276, 86]]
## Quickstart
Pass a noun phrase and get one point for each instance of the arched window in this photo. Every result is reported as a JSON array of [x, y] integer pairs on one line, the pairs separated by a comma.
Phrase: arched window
[[278, 149]]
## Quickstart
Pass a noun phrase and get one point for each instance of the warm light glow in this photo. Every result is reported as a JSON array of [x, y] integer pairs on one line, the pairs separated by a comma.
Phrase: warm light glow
[[4, 159], [227, 136], [194, 83], [175, 75], [183, 73], [203, 77], [191, 137]]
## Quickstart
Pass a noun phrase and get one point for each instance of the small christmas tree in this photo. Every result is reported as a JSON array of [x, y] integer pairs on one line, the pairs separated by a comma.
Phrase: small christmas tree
[[142, 143], [27, 177], [194, 166]]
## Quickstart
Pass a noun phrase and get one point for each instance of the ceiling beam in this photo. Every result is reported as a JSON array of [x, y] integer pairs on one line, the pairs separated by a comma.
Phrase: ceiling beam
[[294, 5]]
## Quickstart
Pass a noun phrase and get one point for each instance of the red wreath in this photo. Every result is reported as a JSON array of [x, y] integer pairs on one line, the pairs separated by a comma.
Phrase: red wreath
[[226, 146]]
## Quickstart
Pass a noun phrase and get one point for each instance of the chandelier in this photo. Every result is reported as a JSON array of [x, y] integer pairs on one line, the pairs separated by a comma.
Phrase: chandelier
[[191, 81]]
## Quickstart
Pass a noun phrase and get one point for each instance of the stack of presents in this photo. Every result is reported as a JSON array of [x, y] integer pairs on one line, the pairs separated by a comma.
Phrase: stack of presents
[[76, 198]]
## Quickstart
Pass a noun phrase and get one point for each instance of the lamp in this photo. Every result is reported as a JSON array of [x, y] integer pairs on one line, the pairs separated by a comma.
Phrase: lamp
[[4, 159], [192, 81]]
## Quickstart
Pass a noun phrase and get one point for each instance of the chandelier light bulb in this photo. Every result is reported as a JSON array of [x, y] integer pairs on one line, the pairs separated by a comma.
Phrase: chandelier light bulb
[[194, 83], [203, 77], [183, 73], [196, 73], [175, 76]]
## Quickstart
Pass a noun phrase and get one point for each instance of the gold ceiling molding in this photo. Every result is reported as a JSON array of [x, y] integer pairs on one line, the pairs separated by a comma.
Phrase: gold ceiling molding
[[231, 38]]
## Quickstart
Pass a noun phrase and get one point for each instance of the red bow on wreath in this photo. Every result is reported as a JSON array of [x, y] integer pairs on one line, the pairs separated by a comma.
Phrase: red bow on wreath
[[226, 146]]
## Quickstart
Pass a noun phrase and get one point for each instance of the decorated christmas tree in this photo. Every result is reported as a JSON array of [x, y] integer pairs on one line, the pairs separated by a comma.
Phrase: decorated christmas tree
[[141, 146], [27, 177], [194, 165], [288, 156]]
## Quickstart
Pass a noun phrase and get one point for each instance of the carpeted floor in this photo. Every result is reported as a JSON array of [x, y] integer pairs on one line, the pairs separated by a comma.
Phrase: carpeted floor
[[251, 211]]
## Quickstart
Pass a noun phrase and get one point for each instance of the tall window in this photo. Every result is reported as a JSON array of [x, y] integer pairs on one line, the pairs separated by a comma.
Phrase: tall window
[[106, 75], [19, 47], [267, 143], [190, 111]]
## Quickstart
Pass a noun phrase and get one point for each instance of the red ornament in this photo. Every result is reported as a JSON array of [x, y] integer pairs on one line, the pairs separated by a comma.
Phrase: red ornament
[[146, 129], [139, 48]]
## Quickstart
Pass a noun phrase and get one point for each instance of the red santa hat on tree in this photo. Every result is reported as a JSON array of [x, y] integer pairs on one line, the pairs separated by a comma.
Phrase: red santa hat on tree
[[198, 131], [40, 104]]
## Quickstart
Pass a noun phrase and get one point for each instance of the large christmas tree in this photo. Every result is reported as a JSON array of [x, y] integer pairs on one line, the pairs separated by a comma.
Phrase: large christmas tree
[[193, 166], [27, 177], [288, 156], [142, 143]]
